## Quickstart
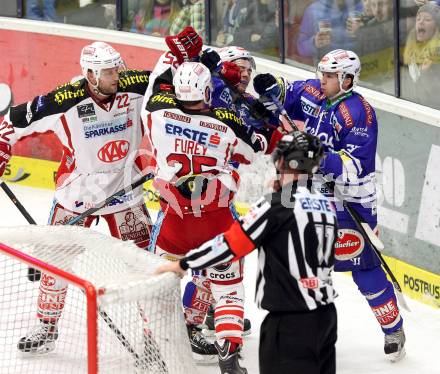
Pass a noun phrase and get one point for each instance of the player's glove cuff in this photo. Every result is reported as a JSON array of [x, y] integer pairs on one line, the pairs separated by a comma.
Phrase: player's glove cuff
[[185, 45]]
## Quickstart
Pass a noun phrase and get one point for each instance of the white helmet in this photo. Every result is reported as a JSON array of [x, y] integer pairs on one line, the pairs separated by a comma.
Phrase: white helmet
[[236, 53], [342, 62], [192, 82], [98, 56]]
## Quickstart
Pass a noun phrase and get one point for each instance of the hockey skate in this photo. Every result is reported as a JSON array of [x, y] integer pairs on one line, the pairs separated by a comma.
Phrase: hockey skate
[[209, 330], [39, 340], [203, 351], [228, 361], [394, 345]]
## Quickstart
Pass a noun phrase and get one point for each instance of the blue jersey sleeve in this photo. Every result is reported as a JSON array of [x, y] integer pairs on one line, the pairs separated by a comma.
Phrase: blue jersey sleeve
[[292, 99]]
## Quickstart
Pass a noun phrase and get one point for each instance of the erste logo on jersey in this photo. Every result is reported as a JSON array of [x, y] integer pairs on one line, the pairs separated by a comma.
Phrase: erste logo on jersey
[[310, 107], [196, 135], [310, 204], [114, 151], [349, 244]]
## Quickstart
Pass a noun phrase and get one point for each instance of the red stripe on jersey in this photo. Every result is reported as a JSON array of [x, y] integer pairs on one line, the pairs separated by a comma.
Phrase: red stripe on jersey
[[219, 308], [240, 159], [225, 311], [142, 126], [239, 243], [228, 327], [67, 131]]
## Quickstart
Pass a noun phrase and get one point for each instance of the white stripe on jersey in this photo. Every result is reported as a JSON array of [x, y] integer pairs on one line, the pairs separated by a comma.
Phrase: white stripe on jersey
[[294, 270], [259, 292]]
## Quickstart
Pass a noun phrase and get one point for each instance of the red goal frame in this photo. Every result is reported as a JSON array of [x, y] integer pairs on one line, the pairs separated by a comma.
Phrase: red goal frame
[[89, 291]]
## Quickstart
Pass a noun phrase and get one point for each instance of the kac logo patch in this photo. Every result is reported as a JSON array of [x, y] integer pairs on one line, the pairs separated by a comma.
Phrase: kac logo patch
[[114, 151]]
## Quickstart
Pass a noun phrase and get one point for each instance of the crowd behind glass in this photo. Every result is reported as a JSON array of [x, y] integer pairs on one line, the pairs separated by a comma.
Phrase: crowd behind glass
[[310, 29]]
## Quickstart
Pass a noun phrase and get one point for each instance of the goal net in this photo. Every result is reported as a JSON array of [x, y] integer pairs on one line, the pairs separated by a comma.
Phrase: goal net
[[117, 316]]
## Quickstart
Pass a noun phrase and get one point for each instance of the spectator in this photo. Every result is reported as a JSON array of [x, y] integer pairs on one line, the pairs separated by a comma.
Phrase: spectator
[[293, 16], [421, 57], [192, 14], [265, 39], [235, 18], [323, 27], [41, 10], [359, 19], [154, 17], [252, 24], [375, 46]]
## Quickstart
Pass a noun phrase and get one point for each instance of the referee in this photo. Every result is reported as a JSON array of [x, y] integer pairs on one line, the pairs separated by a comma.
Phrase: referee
[[294, 229]]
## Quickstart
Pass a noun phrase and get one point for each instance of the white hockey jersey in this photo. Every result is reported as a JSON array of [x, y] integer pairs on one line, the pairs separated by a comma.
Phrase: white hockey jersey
[[192, 150], [100, 141]]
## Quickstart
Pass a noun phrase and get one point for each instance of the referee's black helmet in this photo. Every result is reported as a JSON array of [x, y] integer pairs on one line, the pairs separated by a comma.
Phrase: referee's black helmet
[[301, 152]]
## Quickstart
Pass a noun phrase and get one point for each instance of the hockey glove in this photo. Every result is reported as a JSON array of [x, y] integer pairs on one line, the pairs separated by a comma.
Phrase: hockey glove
[[5, 156], [259, 111], [211, 59], [186, 45], [231, 72], [267, 85], [269, 90]]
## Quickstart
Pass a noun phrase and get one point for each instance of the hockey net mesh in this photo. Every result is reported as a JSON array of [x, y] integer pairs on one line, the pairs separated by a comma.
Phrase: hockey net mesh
[[146, 309]]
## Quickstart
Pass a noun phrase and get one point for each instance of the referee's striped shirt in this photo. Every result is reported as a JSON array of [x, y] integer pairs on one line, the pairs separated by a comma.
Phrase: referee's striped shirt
[[294, 230]]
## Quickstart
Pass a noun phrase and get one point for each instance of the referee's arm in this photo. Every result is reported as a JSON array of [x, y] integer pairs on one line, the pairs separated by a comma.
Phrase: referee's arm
[[240, 239]]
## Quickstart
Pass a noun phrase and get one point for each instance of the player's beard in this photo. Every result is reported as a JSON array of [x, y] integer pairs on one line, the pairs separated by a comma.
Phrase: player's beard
[[107, 92]]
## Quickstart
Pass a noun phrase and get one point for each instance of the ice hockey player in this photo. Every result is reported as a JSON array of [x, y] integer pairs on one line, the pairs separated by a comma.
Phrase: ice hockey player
[[294, 229], [347, 126], [232, 69], [98, 122], [193, 145]]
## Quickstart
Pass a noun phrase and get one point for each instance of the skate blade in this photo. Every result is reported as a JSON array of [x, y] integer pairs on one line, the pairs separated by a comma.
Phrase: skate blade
[[205, 359], [396, 357], [42, 350]]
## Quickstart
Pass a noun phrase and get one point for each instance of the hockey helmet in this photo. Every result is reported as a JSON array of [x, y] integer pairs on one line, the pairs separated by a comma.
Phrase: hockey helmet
[[192, 82], [300, 151], [342, 62], [98, 56], [236, 53]]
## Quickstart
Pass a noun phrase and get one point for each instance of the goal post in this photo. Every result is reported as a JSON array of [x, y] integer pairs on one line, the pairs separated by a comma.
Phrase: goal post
[[115, 317]]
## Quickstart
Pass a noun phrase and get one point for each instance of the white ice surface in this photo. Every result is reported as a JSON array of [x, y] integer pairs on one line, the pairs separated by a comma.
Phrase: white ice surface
[[360, 341]]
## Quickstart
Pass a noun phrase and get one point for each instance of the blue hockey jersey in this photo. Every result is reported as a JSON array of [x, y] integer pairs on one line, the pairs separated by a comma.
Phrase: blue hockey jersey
[[348, 129]]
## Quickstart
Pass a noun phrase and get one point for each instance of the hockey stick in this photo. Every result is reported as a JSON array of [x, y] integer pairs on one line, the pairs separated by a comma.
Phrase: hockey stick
[[121, 337], [5, 102], [33, 274], [101, 205], [141, 361], [369, 236]]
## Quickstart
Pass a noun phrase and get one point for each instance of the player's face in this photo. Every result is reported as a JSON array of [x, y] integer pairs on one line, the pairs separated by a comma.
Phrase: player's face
[[330, 84], [246, 72], [108, 81]]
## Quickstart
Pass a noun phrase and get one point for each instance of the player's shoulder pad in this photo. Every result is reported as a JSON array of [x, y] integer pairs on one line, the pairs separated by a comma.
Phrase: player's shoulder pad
[[236, 124], [228, 117], [162, 100], [60, 100], [312, 88], [355, 111], [135, 81]]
